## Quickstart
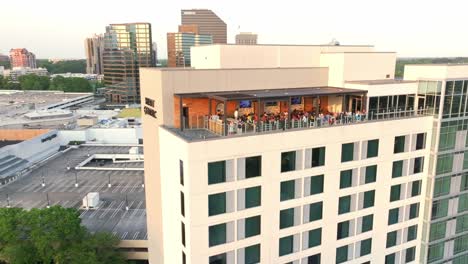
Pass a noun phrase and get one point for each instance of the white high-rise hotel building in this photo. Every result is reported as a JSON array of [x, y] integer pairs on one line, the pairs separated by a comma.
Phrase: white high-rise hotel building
[[330, 160]]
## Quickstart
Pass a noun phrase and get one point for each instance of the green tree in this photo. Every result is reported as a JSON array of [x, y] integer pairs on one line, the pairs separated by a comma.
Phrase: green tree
[[34, 82], [53, 235], [73, 66]]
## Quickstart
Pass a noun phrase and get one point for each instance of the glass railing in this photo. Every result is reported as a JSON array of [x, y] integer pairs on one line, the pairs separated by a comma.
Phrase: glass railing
[[233, 127]]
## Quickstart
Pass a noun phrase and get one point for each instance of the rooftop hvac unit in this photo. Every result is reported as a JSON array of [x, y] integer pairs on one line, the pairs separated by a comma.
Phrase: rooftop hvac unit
[[91, 200]]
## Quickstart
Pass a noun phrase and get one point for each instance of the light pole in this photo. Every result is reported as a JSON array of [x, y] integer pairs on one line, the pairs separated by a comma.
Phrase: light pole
[[126, 202], [109, 183], [8, 201], [48, 201], [76, 178], [43, 180], [143, 181]]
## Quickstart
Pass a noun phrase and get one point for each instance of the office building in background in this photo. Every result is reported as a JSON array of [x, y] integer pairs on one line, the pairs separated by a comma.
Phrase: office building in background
[[180, 43], [313, 155], [22, 58], [94, 47], [155, 53], [4, 57], [246, 38], [208, 23], [127, 47]]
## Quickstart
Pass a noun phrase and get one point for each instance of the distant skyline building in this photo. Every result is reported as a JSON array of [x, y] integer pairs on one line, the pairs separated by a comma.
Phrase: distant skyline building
[[22, 58], [155, 53], [246, 38], [4, 57], [127, 47], [179, 44], [208, 23], [94, 47]]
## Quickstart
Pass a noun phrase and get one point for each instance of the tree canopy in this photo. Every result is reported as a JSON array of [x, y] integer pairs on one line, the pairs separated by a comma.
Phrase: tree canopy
[[72, 84], [53, 235], [35, 82], [74, 66]]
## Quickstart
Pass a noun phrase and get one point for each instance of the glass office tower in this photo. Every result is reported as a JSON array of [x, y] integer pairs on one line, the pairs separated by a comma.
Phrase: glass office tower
[[127, 47]]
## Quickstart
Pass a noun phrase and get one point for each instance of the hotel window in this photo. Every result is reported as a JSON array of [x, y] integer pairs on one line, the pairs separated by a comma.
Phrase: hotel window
[[367, 223], [315, 211], [448, 133], [463, 203], [462, 223], [288, 190], [346, 179], [252, 226], [286, 218], [399, 145], [371, 174], [253, 167], [315, 238], [253, 197], [372, 148], [415, 188], [439, 209], [217, 234], [217, 172], [444, 163], [288, 161], [316, 185], [414, 211], [314, 259], [347, 152], [181, 172], [465, 160], [369, 198], [464, 180], [390, 259], [412, 233], [435, 252], [397, 169], [420, 141], [393, 216], [391, 239], [461, 244], [344, 204], [183, 233], [217, 204], [418, 165], [437, 231], [343, 230], [366, 247], [252, 254], [182, 203], [286, 245], [184, 258], [318, 157], [442, 186], [410, 254], [395, 193], [342, 254], [219, 259]]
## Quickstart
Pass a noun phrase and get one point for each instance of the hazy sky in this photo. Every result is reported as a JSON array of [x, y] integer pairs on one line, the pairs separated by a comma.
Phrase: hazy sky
[[57, 29]]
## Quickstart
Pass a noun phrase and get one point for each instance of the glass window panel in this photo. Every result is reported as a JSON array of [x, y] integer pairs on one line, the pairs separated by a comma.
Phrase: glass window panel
[[342, 254], [252, 226], [414, 211], [462, 223], [316, 184], [441, 186], [420, 141], [412, 233], [217, 234], [399, 145], [415, 188], [393, 215], [219, 259], [217, 204], [288, 161], [217, 172], [369, 198], [397, 169], [342, 230], [461, 244], [436, 252], [287, 190], [372, 148], [367, 223], [314, 259], [253, 197], [439, 208], [315, 211], [391, 239], [318, 157], [344, 205], [390, 259], [458, 88], [449, 88], [371, 174], [395, 192], [346, 179], [315, 237], [252, 254], [464, 180], [347, 152], [286, 245], [253, 166], [437, 231], [418, 165], [286, 218], [410, 254], [366, 247], [463, 202]]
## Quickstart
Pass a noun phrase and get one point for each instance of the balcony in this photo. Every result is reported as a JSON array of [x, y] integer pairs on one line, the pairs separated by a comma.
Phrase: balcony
[[229, 114]]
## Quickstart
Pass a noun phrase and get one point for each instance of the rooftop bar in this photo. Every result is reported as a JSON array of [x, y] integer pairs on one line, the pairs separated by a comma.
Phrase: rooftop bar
[[221, 114]]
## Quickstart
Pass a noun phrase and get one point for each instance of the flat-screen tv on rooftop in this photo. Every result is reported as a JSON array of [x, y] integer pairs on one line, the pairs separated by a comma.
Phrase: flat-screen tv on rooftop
[[245, 104], [296, 100]]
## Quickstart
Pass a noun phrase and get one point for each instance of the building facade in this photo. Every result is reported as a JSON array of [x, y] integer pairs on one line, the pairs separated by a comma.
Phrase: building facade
[[22, 58], [332, 162], [127, 47], [208, 23], [179, 45], [94, 48], [246, 38]]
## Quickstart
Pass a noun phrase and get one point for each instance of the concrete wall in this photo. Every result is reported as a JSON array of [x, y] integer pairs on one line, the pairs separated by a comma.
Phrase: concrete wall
[[197, 155], [435, 71], [21, 134], [263, 56], [386, 89], [354, 66], [34, 149]]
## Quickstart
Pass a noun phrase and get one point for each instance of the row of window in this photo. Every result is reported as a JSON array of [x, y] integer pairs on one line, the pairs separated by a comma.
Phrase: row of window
[[440, 208], [409, 256], [348, 228], [224, 233], [249, 255], [442, 185], [397, 192], [347, 203], [401, 143], [396, 215], [220, 203], [398, 237], [456, 245], [444, 229], [361, 248]]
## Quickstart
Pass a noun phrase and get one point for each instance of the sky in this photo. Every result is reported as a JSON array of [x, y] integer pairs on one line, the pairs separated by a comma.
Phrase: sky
[[412, 28]]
